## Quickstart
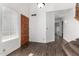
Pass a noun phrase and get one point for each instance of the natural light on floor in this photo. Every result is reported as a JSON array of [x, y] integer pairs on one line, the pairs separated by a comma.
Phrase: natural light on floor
[[31, 54], [8, 38]]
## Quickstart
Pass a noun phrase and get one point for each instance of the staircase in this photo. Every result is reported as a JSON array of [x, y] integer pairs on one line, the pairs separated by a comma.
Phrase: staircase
[[71, 48]]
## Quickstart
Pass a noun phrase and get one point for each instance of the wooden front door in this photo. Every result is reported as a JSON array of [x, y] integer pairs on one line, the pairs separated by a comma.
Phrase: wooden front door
[[24, 30]]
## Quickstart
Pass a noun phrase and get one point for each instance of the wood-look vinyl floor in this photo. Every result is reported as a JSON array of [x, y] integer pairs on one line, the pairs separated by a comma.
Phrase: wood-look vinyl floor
[[39, 49]]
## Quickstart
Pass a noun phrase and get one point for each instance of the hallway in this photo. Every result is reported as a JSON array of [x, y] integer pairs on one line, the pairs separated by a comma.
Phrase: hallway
[[43, 28]]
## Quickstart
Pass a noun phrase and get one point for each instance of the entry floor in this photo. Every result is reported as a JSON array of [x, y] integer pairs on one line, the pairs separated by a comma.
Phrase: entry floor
[[39, 49]]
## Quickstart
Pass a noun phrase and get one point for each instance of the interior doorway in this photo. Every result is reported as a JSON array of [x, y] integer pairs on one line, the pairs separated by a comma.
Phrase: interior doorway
[[58, 30], [58, 34]]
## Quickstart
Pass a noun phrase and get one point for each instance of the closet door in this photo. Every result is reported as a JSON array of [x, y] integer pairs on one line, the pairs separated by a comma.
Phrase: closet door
[[24, 30]]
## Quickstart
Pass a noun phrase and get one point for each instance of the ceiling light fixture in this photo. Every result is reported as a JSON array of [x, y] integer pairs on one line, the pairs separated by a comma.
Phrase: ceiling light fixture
[[40, 5]]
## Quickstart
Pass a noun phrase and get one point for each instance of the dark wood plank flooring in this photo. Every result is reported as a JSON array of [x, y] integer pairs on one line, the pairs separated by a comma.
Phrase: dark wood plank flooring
[[39, 49]]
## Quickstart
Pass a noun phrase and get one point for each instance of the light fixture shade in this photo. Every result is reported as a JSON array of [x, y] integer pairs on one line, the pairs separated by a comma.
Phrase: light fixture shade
[[40, 5]]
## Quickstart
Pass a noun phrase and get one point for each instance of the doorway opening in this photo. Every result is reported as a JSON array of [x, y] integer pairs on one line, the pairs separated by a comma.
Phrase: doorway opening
[[58, 30], [58, 34]]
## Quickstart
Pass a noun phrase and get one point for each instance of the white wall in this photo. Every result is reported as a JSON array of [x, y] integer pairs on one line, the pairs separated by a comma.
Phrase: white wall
[[0, 19], [50, 25], [71, 26], [9, 46], [50, 22], [9, 16], [38, 23], [10, 21], [15, 9]]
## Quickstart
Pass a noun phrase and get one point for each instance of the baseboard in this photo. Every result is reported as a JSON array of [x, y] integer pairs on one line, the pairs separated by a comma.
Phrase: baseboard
[[37, 41], [42, 42], [50, 41]]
